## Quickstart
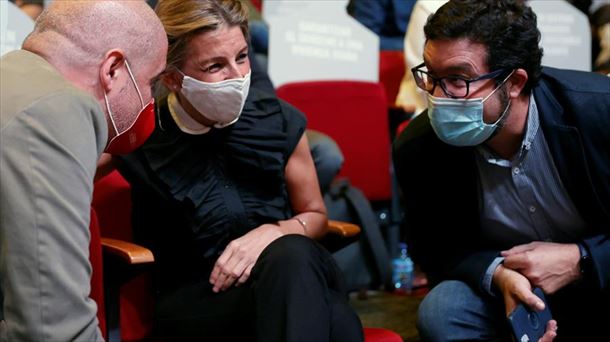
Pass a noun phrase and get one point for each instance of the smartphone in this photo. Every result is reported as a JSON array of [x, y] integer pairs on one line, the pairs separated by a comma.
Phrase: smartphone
[[527, 324]]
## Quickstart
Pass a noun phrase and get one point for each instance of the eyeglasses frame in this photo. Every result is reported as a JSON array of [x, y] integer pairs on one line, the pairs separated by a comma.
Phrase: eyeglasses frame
[[438, 80]]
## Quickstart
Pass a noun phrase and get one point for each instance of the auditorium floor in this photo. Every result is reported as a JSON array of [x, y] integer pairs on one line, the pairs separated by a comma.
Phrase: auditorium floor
[[390, 311]]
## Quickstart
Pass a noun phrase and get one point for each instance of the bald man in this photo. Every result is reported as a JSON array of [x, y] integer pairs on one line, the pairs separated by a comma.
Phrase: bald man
[[80, 86]]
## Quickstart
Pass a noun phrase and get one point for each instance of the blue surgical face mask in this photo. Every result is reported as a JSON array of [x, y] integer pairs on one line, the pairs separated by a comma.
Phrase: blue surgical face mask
[[459, 122]]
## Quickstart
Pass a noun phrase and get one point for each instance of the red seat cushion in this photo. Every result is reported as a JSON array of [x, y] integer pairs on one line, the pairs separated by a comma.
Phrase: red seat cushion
[[381, 335]]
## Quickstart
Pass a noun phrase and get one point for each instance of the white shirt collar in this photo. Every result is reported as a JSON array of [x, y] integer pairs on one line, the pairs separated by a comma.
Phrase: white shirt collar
[[183, 120]]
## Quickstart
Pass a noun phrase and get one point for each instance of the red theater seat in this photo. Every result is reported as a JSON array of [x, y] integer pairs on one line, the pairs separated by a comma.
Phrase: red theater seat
[[112, 202], [354, 114]]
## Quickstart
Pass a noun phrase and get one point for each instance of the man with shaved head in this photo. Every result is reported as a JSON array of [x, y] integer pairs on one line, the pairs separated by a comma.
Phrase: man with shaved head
[[81, 85]]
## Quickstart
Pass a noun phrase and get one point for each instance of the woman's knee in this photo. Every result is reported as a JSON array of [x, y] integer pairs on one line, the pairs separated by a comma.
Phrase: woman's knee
[[290, 252]]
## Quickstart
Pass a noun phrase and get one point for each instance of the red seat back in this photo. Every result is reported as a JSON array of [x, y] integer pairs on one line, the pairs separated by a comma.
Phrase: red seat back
[[391, 71], [354, 114], [112, 202]]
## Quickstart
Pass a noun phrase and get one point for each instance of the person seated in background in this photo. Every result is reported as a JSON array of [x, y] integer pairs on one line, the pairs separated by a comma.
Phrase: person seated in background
[[226, 195], [386, 18], [79, 86], [506, 179], [410, 97]]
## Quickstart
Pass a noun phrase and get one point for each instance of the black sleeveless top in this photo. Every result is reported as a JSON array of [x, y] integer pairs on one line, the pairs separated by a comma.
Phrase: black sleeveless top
[[193, 194]]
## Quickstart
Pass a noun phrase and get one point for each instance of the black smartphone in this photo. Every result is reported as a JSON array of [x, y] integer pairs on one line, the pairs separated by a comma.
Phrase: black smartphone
[[529, 325]]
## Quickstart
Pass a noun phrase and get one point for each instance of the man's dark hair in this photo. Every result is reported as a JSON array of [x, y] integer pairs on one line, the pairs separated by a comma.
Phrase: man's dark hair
[[506, 27]]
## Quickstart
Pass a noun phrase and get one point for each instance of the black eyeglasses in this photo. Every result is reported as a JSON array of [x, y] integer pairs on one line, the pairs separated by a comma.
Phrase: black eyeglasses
[[453, 86]]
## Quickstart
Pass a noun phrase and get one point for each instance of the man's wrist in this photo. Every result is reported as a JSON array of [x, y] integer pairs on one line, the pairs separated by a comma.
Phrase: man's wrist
[[584, 263]]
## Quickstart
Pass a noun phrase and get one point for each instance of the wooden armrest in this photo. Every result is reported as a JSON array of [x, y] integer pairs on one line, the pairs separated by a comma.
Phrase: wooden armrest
[[343, 229], [129, 252]]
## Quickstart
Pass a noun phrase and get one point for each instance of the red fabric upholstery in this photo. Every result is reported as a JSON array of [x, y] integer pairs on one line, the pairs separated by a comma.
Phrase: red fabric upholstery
[[112, 202], [354, 114], [97, 274], [381, 335], [391, 71]]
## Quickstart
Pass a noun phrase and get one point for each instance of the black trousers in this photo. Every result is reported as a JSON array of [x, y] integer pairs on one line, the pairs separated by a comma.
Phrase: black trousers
[[294, 294]]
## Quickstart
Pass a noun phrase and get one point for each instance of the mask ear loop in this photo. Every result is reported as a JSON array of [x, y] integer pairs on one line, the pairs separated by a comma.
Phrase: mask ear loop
[[134, 83], [499, 86], [116, 130], [509, 101]]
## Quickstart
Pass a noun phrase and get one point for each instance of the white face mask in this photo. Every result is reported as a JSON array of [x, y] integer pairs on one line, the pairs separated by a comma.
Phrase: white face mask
[[221, 102]]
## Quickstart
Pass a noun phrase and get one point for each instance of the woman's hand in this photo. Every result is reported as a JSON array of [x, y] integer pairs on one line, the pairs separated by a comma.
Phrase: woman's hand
[[236, 262], [547, 265], [550, 333], [515, 289]]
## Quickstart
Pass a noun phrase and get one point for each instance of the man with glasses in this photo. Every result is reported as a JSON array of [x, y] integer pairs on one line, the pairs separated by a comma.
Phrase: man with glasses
[[506, 179]]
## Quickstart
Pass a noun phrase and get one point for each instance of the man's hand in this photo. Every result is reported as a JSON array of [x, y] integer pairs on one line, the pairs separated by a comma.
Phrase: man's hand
[[237, 260], [547, 265]]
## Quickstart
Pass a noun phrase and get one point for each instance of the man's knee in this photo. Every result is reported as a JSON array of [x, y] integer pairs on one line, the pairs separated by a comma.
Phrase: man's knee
[[449, 310]]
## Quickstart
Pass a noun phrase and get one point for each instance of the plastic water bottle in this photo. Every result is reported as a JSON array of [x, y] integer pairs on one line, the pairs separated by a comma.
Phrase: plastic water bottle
[[402, 270]]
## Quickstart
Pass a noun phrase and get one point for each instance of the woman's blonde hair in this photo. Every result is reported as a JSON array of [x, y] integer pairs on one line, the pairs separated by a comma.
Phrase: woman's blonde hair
[[184, 19]]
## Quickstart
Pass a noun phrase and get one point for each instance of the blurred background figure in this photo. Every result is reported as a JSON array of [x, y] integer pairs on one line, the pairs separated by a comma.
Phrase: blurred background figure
[[387, 18], [598, 12], [32, 8], [410, 97]]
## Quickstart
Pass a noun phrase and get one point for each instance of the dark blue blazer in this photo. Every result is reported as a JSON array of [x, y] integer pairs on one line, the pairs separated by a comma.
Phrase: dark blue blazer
[[439, 182]]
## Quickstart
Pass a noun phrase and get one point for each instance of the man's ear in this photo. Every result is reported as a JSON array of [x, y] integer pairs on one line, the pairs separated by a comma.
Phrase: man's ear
[[110, 69], [517, 82], [172, 80]]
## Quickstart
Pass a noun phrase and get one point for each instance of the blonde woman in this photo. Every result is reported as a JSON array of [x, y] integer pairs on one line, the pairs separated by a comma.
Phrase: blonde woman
[[226, 194]]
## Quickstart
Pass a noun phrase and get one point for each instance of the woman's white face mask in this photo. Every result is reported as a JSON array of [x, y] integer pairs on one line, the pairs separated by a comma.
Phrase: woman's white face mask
[[221, 102]]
